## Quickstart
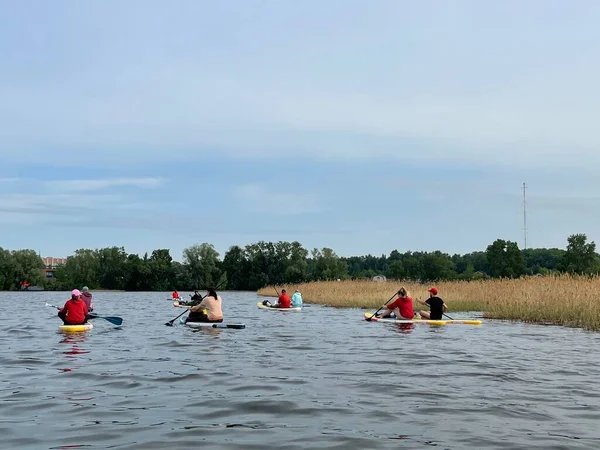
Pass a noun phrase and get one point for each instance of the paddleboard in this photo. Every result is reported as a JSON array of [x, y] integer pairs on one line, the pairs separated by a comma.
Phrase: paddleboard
[[237, 326], [429, 322], [261, 306], [75, 328]]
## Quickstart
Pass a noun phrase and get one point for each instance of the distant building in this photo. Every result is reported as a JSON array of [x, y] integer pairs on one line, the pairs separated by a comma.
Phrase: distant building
[[50, 264]]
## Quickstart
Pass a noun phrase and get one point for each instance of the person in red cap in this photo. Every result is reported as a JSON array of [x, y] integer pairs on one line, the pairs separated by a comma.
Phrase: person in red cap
[[437, 307], [75, 311]]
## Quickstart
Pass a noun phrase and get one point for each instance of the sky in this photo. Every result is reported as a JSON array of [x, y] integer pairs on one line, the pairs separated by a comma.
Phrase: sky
[[363, 126]]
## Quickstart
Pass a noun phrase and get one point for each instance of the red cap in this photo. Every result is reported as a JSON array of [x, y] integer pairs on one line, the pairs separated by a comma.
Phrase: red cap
[[433, 291]]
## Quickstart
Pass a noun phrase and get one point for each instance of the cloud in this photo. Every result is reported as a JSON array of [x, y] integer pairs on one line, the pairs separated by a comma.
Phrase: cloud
[[99, 184], [259, 198], [451, 85]]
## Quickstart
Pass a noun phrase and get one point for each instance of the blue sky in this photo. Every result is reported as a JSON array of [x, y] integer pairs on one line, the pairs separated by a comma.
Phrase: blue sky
[[361, 126]]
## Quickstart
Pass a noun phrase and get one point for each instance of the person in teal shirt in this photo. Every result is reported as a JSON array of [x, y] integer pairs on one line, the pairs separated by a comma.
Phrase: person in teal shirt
[[296, 299]]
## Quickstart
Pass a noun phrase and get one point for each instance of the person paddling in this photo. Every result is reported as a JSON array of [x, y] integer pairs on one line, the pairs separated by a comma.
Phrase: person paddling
[[86, 296], [283, 301], [212, 304], [75, 311], [402, 307], [437, 307], [297, 299], [175, 295]]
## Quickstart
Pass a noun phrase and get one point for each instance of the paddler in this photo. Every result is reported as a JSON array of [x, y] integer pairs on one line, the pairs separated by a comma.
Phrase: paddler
[[437, 307], [402, 307], [297, 299], [86, 296], [208, 310], [75, 311], [175, 295], [283, 301]]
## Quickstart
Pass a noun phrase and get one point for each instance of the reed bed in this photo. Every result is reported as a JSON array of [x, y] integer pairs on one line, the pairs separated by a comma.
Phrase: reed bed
[[560, 300]]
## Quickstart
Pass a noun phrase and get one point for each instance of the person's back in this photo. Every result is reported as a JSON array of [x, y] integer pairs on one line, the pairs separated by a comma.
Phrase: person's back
[[436, 307], [284, 300], [86, 296], [213, 307], [75, 311], [297, 299], [212, 304]]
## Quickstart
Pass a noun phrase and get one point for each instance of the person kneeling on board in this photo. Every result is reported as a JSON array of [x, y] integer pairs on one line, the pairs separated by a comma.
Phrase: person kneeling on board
[[437, 307], [283, 301], [208, 310], [402, 307], [75, 311]]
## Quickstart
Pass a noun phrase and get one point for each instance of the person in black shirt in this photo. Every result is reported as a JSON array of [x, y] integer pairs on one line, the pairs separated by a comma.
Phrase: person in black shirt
[[437, 307]]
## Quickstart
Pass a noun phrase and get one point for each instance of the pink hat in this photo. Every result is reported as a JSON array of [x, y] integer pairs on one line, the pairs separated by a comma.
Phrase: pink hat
[[75, 292]]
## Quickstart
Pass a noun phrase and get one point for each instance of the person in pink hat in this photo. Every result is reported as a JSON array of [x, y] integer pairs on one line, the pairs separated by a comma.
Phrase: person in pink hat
[[437, 307], [75, 311]]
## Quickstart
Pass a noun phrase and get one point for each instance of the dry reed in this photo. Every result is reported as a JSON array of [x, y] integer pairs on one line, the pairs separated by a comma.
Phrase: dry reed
[[560, 300]]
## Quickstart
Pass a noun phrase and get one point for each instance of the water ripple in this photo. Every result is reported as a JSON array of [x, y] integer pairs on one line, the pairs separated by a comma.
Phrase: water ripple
[[322, 379]]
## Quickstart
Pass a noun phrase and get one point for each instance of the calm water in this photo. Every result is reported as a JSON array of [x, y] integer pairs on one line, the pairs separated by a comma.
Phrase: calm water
[[321, 378]]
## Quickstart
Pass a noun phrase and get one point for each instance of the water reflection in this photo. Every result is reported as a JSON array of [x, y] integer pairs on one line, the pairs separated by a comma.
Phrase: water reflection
[[74, 341], [404, 328]]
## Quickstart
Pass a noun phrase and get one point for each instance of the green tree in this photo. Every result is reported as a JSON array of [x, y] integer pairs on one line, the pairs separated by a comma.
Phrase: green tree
[[203, 265], [297, 269], [236, 268], [505, 259], [327, 265], [580, 256], [26, 266], [395, 270], [112, 262], [6, 268], [437, 266], [83, 268], [161, 270]]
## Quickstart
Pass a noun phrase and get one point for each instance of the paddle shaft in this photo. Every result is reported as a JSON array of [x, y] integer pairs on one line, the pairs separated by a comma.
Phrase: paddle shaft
[[391, 298]]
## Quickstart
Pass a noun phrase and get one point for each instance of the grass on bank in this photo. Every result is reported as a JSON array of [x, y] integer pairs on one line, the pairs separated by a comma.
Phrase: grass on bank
[[561, 300]]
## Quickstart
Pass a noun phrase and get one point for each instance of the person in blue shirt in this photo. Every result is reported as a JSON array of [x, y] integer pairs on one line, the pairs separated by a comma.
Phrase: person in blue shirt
[[296, 299]]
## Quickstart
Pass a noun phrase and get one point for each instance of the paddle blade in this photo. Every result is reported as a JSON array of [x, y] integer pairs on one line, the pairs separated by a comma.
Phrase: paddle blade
[[114, 320]]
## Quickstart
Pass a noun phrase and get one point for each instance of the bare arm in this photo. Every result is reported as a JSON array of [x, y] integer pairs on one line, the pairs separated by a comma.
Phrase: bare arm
[[199, 307]]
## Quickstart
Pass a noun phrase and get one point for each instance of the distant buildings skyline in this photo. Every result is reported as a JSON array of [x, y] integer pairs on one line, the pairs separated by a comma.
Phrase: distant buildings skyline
[[50, 262]]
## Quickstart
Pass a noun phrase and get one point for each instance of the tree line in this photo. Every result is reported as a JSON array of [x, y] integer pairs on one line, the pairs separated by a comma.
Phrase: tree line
[[264, 263]]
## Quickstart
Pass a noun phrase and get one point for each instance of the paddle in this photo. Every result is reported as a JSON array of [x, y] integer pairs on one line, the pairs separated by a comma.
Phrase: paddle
[[391, 298], [112, 319]]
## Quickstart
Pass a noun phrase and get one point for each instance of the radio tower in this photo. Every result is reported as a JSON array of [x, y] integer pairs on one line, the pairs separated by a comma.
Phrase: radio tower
[[524, 217]]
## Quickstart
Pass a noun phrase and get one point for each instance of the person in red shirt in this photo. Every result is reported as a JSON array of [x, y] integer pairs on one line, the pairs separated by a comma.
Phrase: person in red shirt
[[175, 294], [75, 311], [402, 307], [284, 301]]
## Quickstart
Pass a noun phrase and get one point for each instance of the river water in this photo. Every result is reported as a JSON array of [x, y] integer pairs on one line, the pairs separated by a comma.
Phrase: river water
[[321, 378]]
